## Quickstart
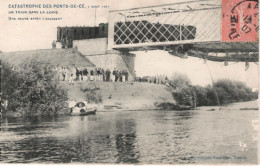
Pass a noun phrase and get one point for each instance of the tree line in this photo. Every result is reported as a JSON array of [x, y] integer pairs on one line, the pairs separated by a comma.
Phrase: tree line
[[31, 89]]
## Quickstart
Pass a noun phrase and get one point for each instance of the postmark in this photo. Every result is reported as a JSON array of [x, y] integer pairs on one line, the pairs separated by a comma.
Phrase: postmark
[[240, 20]]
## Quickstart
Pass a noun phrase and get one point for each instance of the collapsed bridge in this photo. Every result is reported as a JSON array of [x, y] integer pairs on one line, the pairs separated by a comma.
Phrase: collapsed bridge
[[193, 28]]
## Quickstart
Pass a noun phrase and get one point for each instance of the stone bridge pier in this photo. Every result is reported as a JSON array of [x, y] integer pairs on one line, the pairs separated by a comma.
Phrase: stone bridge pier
[[96, 51]]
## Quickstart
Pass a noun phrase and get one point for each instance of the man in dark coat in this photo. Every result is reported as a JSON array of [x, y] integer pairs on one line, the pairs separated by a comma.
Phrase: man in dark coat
[[117, 76], [98, 74], [103, 75], [120, 74], [85, 74], [108, 72], [114, 75], [126, 75], [92, 75], [80, 75]]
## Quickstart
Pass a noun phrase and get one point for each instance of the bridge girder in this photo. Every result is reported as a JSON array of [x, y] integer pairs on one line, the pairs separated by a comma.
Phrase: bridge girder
[[196, 24]]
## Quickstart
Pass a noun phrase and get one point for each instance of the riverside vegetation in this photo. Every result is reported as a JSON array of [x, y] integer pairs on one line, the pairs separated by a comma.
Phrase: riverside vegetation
[[225, 91], [31, 90]]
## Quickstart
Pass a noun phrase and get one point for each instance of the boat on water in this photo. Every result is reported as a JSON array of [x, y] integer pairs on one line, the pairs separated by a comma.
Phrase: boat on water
[[80, 109]]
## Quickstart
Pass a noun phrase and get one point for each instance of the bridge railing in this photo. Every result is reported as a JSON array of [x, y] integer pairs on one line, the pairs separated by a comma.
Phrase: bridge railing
[[188, 22]]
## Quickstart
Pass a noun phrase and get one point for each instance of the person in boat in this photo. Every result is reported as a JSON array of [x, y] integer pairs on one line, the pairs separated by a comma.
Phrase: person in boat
[[80, 105], [80, 109], [77, 107]]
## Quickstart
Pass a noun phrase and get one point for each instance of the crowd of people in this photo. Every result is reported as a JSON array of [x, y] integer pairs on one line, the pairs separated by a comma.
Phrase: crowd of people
[[158, 79], [72, 74]]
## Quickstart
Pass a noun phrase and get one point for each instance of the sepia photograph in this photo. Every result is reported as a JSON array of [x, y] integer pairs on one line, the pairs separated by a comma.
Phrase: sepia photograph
[[135, 82]]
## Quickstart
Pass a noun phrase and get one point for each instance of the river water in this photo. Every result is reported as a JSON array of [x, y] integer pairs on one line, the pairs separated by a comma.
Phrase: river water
[[140, 137]]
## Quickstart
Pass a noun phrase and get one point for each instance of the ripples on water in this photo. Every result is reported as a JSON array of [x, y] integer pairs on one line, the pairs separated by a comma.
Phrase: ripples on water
[[169, 137]]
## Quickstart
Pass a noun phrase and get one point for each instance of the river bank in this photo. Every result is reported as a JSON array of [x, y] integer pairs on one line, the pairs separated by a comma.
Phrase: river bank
[[32, 89], [131, 96], [121, 95], [113, 96]]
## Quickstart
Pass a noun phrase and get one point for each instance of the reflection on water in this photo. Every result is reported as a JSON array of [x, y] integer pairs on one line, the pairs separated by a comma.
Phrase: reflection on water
[[169, 137], [125, 142]]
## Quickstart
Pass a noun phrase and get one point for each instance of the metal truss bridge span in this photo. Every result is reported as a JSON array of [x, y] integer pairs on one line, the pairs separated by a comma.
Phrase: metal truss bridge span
[[195, 25]]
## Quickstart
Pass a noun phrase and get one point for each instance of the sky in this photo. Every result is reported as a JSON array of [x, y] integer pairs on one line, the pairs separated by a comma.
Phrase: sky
[[159, 62]]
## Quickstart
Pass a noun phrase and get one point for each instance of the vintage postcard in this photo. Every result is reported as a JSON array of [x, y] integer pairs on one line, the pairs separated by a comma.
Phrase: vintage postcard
[[129, 82]]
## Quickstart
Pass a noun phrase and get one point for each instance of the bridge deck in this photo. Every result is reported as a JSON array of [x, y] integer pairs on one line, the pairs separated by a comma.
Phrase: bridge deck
[[196, 23]]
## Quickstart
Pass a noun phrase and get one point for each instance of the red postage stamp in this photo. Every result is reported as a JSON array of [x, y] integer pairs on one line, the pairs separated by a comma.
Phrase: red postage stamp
[[240, 20]]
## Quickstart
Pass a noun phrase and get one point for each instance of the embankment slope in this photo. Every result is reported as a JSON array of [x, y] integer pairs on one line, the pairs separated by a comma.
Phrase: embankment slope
[[54, 56], [125, 95]]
